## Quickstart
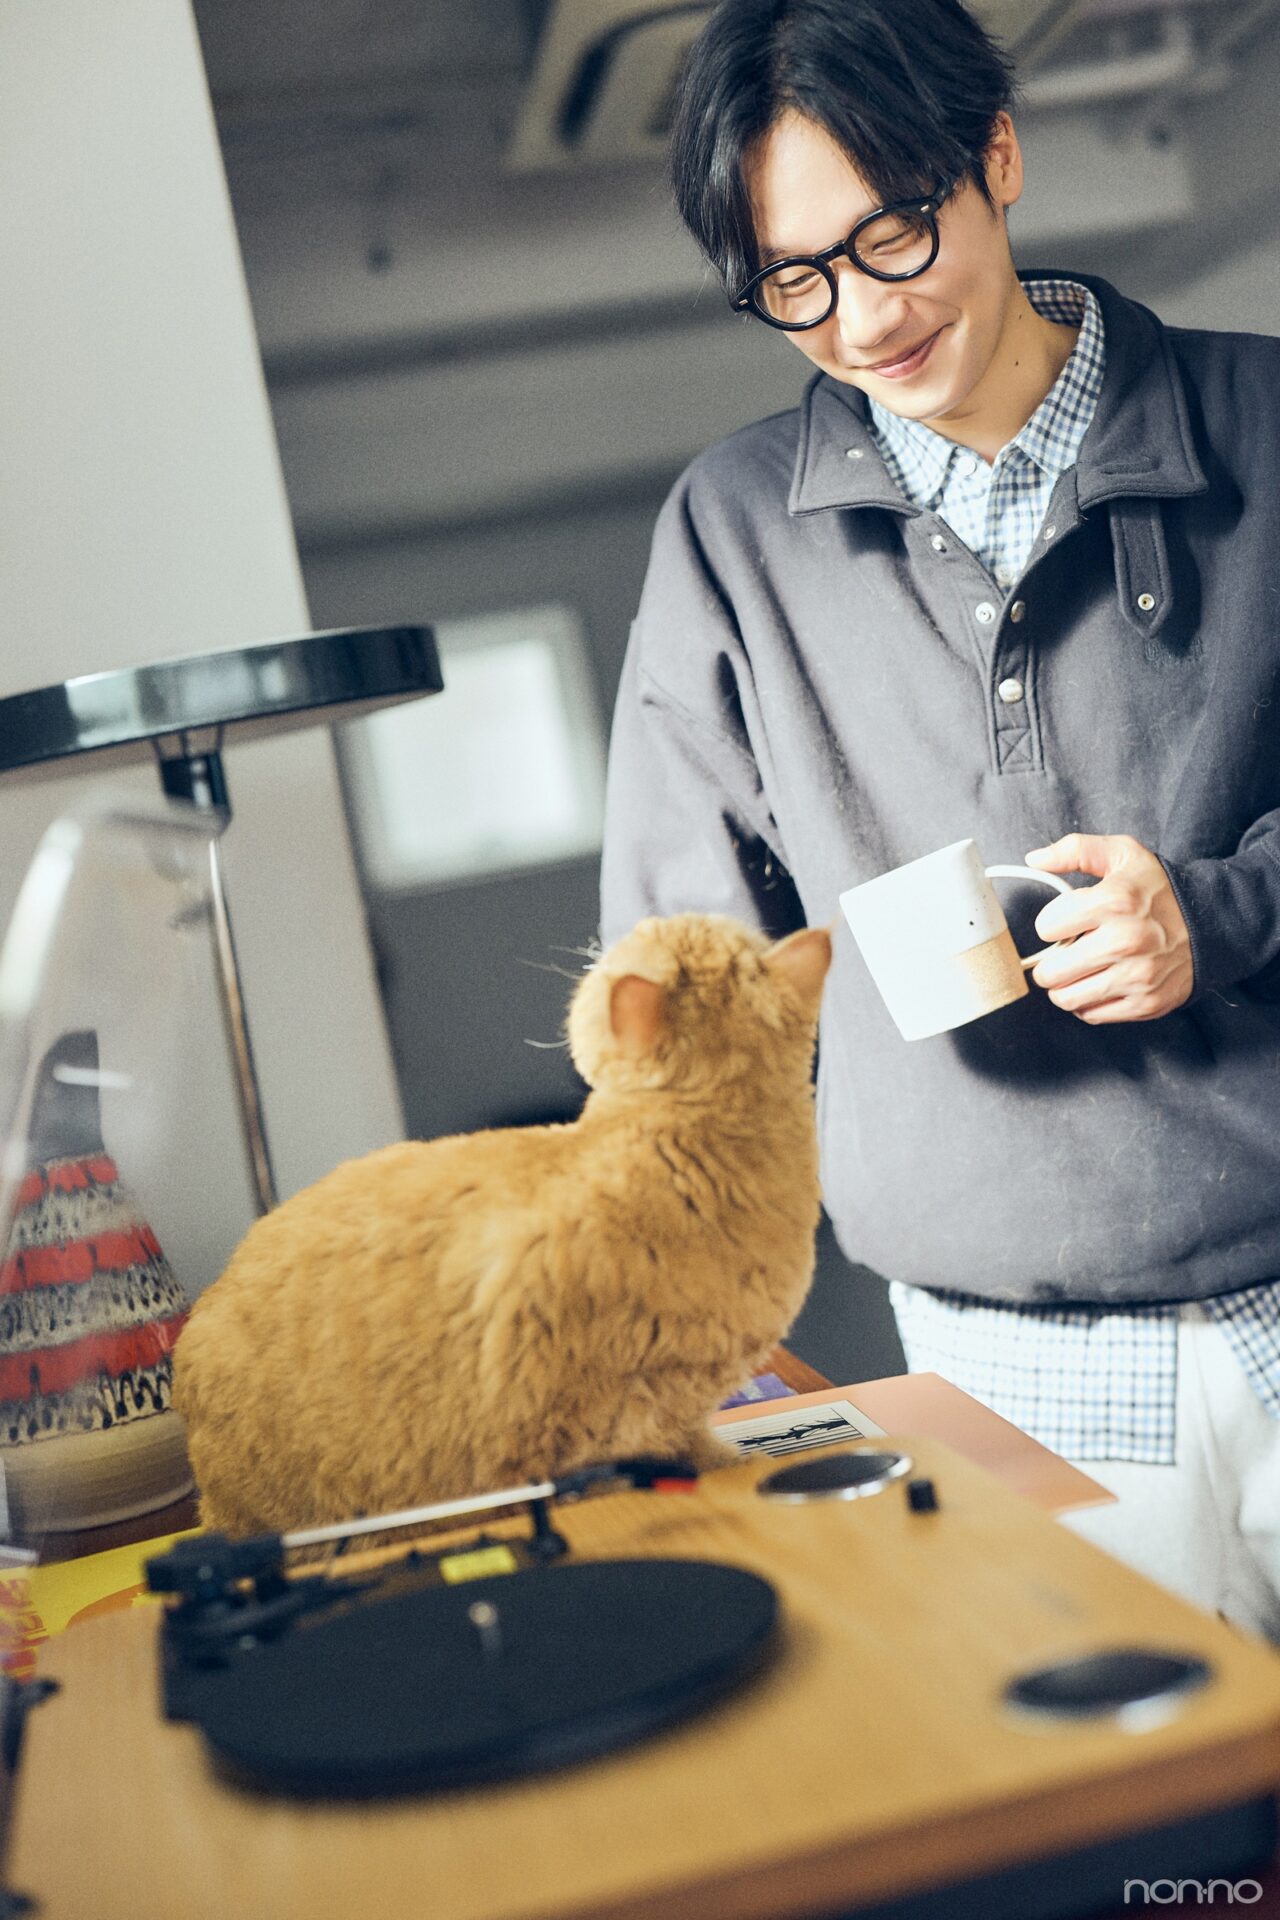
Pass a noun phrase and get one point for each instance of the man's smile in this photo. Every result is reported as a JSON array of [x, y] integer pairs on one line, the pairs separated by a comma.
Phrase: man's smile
[[901, 365]]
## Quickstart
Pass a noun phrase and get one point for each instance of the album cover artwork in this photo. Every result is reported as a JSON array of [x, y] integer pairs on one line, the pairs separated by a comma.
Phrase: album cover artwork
[[792, 1429]]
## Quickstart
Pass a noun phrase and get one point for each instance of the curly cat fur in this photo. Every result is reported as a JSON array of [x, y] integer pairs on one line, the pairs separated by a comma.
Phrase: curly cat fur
[[442, 1317]]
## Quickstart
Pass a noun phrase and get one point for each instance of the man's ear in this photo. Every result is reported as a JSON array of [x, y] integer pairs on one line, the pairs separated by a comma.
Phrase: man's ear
[[1003, 163], [637, 1013], [803, 959]]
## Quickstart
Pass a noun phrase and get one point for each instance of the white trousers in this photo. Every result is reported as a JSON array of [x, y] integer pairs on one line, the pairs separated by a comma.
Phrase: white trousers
[[1207, 1527]]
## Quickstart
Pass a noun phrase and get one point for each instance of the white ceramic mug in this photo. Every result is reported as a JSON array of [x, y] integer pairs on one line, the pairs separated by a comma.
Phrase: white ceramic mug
[[935, 939]]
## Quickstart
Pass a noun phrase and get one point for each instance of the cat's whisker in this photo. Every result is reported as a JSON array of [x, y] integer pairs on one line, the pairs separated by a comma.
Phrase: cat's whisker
[[549, 966], [592, 953], [545, 1046]]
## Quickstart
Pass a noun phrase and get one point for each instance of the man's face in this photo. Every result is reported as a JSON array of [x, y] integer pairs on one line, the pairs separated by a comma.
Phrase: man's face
[[806, 194]]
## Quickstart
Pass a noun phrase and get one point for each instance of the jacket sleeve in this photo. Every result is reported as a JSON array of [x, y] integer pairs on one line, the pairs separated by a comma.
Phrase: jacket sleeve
[[688, 827], [1232, 910]]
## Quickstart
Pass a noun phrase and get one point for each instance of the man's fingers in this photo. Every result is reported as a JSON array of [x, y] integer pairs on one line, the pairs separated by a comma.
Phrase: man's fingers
[[1109, 942], [1084, 908], [1111, 1013], [1093, 853], [1124, 1008], [1064, 974], [1071, 914], [1054, 978], [1128, 987], [1120, 949]]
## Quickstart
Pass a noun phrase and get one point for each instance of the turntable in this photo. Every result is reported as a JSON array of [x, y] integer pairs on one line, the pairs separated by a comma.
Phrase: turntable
[[911, 1695], [473, 1663]]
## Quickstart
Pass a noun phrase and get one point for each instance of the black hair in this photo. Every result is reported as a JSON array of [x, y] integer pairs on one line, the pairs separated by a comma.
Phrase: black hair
[[908, 89]]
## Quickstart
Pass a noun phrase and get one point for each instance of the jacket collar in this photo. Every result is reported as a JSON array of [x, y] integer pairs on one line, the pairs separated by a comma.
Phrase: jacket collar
[[1139, 442]]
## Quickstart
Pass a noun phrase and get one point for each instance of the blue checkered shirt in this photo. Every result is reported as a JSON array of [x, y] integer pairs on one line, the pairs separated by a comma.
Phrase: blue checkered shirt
[[997, 510], [1092, 1383]]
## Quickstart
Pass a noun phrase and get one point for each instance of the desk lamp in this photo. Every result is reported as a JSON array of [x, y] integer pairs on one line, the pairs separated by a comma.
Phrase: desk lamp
[[181, 713]]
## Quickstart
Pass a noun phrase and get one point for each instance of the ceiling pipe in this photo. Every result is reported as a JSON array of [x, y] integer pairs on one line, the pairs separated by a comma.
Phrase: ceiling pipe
[[1171, 65]]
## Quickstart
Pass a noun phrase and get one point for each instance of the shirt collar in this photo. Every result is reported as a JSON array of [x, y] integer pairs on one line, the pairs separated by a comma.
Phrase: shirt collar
[[918, 458], [1053, 435]]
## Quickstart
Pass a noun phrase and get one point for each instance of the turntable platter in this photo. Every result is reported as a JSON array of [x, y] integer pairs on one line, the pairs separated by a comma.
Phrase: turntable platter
[[444, 1686]]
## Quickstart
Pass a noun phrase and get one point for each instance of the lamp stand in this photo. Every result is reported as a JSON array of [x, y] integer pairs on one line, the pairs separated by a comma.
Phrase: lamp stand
[[191, 769]]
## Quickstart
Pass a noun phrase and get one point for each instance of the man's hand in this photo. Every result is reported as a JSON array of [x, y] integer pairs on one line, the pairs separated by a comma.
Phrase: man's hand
[[1130, 957]]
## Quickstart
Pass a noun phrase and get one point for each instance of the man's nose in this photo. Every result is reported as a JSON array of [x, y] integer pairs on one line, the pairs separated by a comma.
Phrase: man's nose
[[866, 309]]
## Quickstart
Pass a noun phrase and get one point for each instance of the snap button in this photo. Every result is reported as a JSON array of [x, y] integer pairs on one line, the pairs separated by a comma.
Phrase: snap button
[[938, 544], [1010, 691], [1018, 611], [1146, 601], [968, 466], [854, 453], [984, 611], [1049, 533]]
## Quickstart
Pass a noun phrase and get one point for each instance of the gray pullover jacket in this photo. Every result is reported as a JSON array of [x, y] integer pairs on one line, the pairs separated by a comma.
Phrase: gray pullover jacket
[[810, 699]]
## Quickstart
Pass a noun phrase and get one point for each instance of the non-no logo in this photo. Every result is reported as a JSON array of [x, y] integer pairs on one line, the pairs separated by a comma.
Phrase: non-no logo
[[1170, 1893]]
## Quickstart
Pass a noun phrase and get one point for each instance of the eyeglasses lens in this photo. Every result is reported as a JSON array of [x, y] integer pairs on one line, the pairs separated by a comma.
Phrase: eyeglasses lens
[[896, 244]]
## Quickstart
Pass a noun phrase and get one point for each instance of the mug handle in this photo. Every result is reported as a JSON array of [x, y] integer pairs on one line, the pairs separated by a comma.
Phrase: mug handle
[[1054, 880]]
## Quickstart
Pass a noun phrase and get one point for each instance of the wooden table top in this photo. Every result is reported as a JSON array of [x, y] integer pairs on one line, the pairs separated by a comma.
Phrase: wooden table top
[[871, 1759]]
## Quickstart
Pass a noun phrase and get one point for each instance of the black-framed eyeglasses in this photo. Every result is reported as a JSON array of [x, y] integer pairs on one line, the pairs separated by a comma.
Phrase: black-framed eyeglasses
[[896, 242]]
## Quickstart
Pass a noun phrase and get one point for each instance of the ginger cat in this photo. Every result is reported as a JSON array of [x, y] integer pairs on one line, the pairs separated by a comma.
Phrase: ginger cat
[[445, 1317]]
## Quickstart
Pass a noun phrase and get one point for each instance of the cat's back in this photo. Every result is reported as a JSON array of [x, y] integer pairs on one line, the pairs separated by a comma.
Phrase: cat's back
[[376, 1261], [394, 1205]]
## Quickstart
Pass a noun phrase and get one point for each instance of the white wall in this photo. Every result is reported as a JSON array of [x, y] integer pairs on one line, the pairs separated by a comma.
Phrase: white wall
[[142, 514]]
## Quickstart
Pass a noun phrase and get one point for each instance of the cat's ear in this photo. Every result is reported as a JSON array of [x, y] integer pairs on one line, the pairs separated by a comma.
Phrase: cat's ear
[[803, 959], [636, 1013]]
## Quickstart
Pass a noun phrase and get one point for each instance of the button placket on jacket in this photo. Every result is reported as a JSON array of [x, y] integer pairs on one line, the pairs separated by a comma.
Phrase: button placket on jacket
[[1017, 740], [1000, 651], [1017, 735]]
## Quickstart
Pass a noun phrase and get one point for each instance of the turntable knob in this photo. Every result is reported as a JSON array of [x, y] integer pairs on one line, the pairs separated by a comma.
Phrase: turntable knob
[[1140, 1686]]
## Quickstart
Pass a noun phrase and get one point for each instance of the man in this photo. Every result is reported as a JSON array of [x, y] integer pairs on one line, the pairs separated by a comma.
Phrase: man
[[1011, 572]]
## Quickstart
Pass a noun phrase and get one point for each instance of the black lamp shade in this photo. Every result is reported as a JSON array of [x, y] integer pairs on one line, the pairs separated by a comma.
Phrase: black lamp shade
[[240, 692]]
